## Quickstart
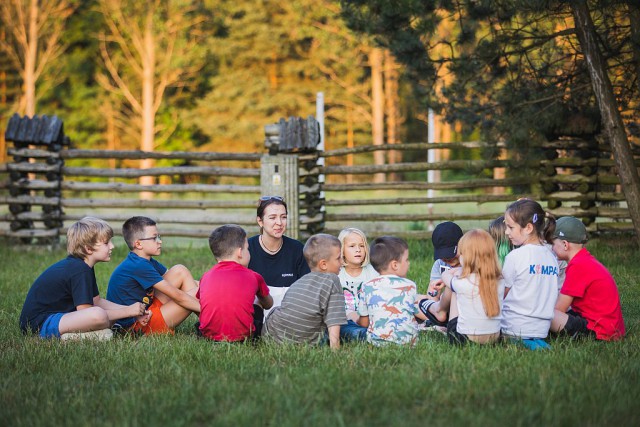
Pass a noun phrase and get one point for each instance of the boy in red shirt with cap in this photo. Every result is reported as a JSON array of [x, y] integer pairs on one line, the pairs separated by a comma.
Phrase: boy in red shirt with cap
[[589, 288]]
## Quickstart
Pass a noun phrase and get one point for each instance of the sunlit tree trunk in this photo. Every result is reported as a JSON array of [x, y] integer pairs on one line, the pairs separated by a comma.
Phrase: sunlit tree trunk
[[377, 108], [33, 31], [31, 55], [148, 101], [392, 101]]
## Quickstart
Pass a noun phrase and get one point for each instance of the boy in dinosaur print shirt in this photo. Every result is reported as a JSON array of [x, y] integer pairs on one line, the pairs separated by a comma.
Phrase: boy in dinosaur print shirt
[[387, 303]]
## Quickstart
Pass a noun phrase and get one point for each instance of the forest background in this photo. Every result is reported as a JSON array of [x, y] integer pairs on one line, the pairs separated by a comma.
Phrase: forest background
[[208, 75]]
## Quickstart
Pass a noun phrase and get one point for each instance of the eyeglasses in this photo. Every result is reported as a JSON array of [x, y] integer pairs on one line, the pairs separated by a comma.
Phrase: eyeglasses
[[157, 238], [267, 198]]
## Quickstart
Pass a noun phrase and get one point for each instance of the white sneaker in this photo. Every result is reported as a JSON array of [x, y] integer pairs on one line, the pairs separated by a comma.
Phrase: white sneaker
[[100, 335]]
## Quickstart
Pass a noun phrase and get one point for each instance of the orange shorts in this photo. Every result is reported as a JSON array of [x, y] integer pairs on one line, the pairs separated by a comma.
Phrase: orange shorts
[[156, 324]]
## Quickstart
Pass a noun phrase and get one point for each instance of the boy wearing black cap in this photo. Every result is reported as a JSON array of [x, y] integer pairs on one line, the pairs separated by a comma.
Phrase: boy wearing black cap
[[588, 289], [445, 240]]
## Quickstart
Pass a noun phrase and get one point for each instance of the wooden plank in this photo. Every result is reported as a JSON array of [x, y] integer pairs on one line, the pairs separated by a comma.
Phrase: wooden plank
[[30, 200], [33, 167], [137, 154], [422, 185], [161, 204], [119, 187], [412, 146], [477, 165], [412, 217], [483, 198], [34, 153], [177, 170]]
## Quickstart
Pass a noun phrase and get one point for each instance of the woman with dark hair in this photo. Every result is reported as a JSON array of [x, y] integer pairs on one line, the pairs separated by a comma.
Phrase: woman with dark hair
[[276, 257]]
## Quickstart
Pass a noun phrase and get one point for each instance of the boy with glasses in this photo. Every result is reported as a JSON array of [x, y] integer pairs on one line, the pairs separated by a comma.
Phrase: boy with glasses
[[170, 294]]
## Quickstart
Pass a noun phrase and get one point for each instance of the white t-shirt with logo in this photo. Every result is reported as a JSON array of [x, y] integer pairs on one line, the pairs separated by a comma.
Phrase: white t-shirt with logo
[[472, 319], [531, 273]]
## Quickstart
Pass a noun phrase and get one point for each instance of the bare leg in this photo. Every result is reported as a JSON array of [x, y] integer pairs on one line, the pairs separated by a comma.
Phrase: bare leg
[[180, 277], [441, 308], [559, 321], [85, 320]]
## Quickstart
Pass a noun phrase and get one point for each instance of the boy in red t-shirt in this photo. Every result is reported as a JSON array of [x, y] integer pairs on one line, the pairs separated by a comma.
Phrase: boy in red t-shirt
[[588, 289], [227, 291]]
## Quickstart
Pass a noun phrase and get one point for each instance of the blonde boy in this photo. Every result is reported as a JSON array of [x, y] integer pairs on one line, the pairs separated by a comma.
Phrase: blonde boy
[[168, 293], [314, 304], [387, 306], [64, 301], [228, 290]]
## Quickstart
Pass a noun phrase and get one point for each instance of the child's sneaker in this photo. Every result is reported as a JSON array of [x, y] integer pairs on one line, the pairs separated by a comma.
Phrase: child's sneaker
[[100, 335]]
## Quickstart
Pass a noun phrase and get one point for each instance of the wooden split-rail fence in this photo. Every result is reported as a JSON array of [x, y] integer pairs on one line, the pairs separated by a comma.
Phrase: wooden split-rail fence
[[48, 184]]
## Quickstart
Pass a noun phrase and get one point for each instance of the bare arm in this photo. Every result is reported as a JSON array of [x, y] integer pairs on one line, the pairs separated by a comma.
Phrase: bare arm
[[334, 337], [563, 303], [181, 298], [266, 302], [363, 321], [117, 311]]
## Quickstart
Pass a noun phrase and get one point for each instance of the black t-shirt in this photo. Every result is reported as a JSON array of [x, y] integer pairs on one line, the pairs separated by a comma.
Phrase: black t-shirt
[[282, 269], [59, 289]]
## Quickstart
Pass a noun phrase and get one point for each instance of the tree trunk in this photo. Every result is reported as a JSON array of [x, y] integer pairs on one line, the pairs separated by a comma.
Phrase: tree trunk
[[377, 108], [634, 22], [608, 106], [391, 99], [350, 141], [148, 114], [31, 55]]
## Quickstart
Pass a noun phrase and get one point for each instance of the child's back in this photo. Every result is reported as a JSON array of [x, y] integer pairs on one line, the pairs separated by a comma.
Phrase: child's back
[[389, 301], [313, 301], [228, 290], [313, 307]]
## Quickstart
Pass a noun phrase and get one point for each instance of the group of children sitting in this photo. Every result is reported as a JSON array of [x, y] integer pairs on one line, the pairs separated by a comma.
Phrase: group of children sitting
[[481, 288]]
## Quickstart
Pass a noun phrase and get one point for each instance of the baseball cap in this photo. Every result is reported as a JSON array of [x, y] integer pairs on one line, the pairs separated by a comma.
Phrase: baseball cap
[[445, 239], [571, 229]]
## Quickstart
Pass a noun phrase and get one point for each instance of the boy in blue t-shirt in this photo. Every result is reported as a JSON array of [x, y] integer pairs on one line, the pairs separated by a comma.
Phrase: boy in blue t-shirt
[[170, 294], [64, 301]]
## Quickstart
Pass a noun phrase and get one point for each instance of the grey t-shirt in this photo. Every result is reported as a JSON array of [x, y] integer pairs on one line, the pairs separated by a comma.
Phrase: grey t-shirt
[[313, 303]]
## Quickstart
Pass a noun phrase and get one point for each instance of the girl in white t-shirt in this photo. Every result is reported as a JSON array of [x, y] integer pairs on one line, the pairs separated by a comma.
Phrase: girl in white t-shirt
[[530, 273], [476, 291], [356, 270]]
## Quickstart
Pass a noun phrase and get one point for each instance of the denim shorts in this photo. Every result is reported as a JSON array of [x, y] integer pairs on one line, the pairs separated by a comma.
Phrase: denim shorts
[[51, 327]]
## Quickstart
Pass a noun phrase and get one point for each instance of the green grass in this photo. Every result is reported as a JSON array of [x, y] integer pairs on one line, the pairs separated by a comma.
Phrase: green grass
[[181, 380]]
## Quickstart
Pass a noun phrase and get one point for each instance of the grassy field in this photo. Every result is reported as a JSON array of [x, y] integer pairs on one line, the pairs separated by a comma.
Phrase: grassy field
[[181, 380]]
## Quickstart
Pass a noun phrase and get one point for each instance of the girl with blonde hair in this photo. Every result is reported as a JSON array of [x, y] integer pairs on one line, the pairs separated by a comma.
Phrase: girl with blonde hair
[[356, 270]]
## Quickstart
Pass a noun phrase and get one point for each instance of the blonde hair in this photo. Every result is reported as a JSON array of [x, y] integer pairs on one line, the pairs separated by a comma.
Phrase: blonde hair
[[86, 234], [479, 257], [343, 235]]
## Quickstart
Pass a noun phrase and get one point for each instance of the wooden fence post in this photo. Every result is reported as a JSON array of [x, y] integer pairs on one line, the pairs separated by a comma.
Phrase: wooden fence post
[[28, 136], [290, 170]]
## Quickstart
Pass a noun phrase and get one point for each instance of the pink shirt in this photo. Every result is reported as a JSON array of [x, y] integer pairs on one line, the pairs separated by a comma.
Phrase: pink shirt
[[595, 296], [226, 295]]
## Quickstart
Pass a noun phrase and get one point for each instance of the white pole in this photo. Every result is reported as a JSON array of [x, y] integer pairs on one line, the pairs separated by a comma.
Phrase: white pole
[[431, 158]]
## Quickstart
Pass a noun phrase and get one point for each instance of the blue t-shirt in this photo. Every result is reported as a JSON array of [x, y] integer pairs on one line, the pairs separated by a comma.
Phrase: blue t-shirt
[[281, 269], [59, 289], [132, 281]]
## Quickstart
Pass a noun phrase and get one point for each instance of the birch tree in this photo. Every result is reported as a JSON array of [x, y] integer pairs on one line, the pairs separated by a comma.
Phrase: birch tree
[[147, 49], [33, 42]]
